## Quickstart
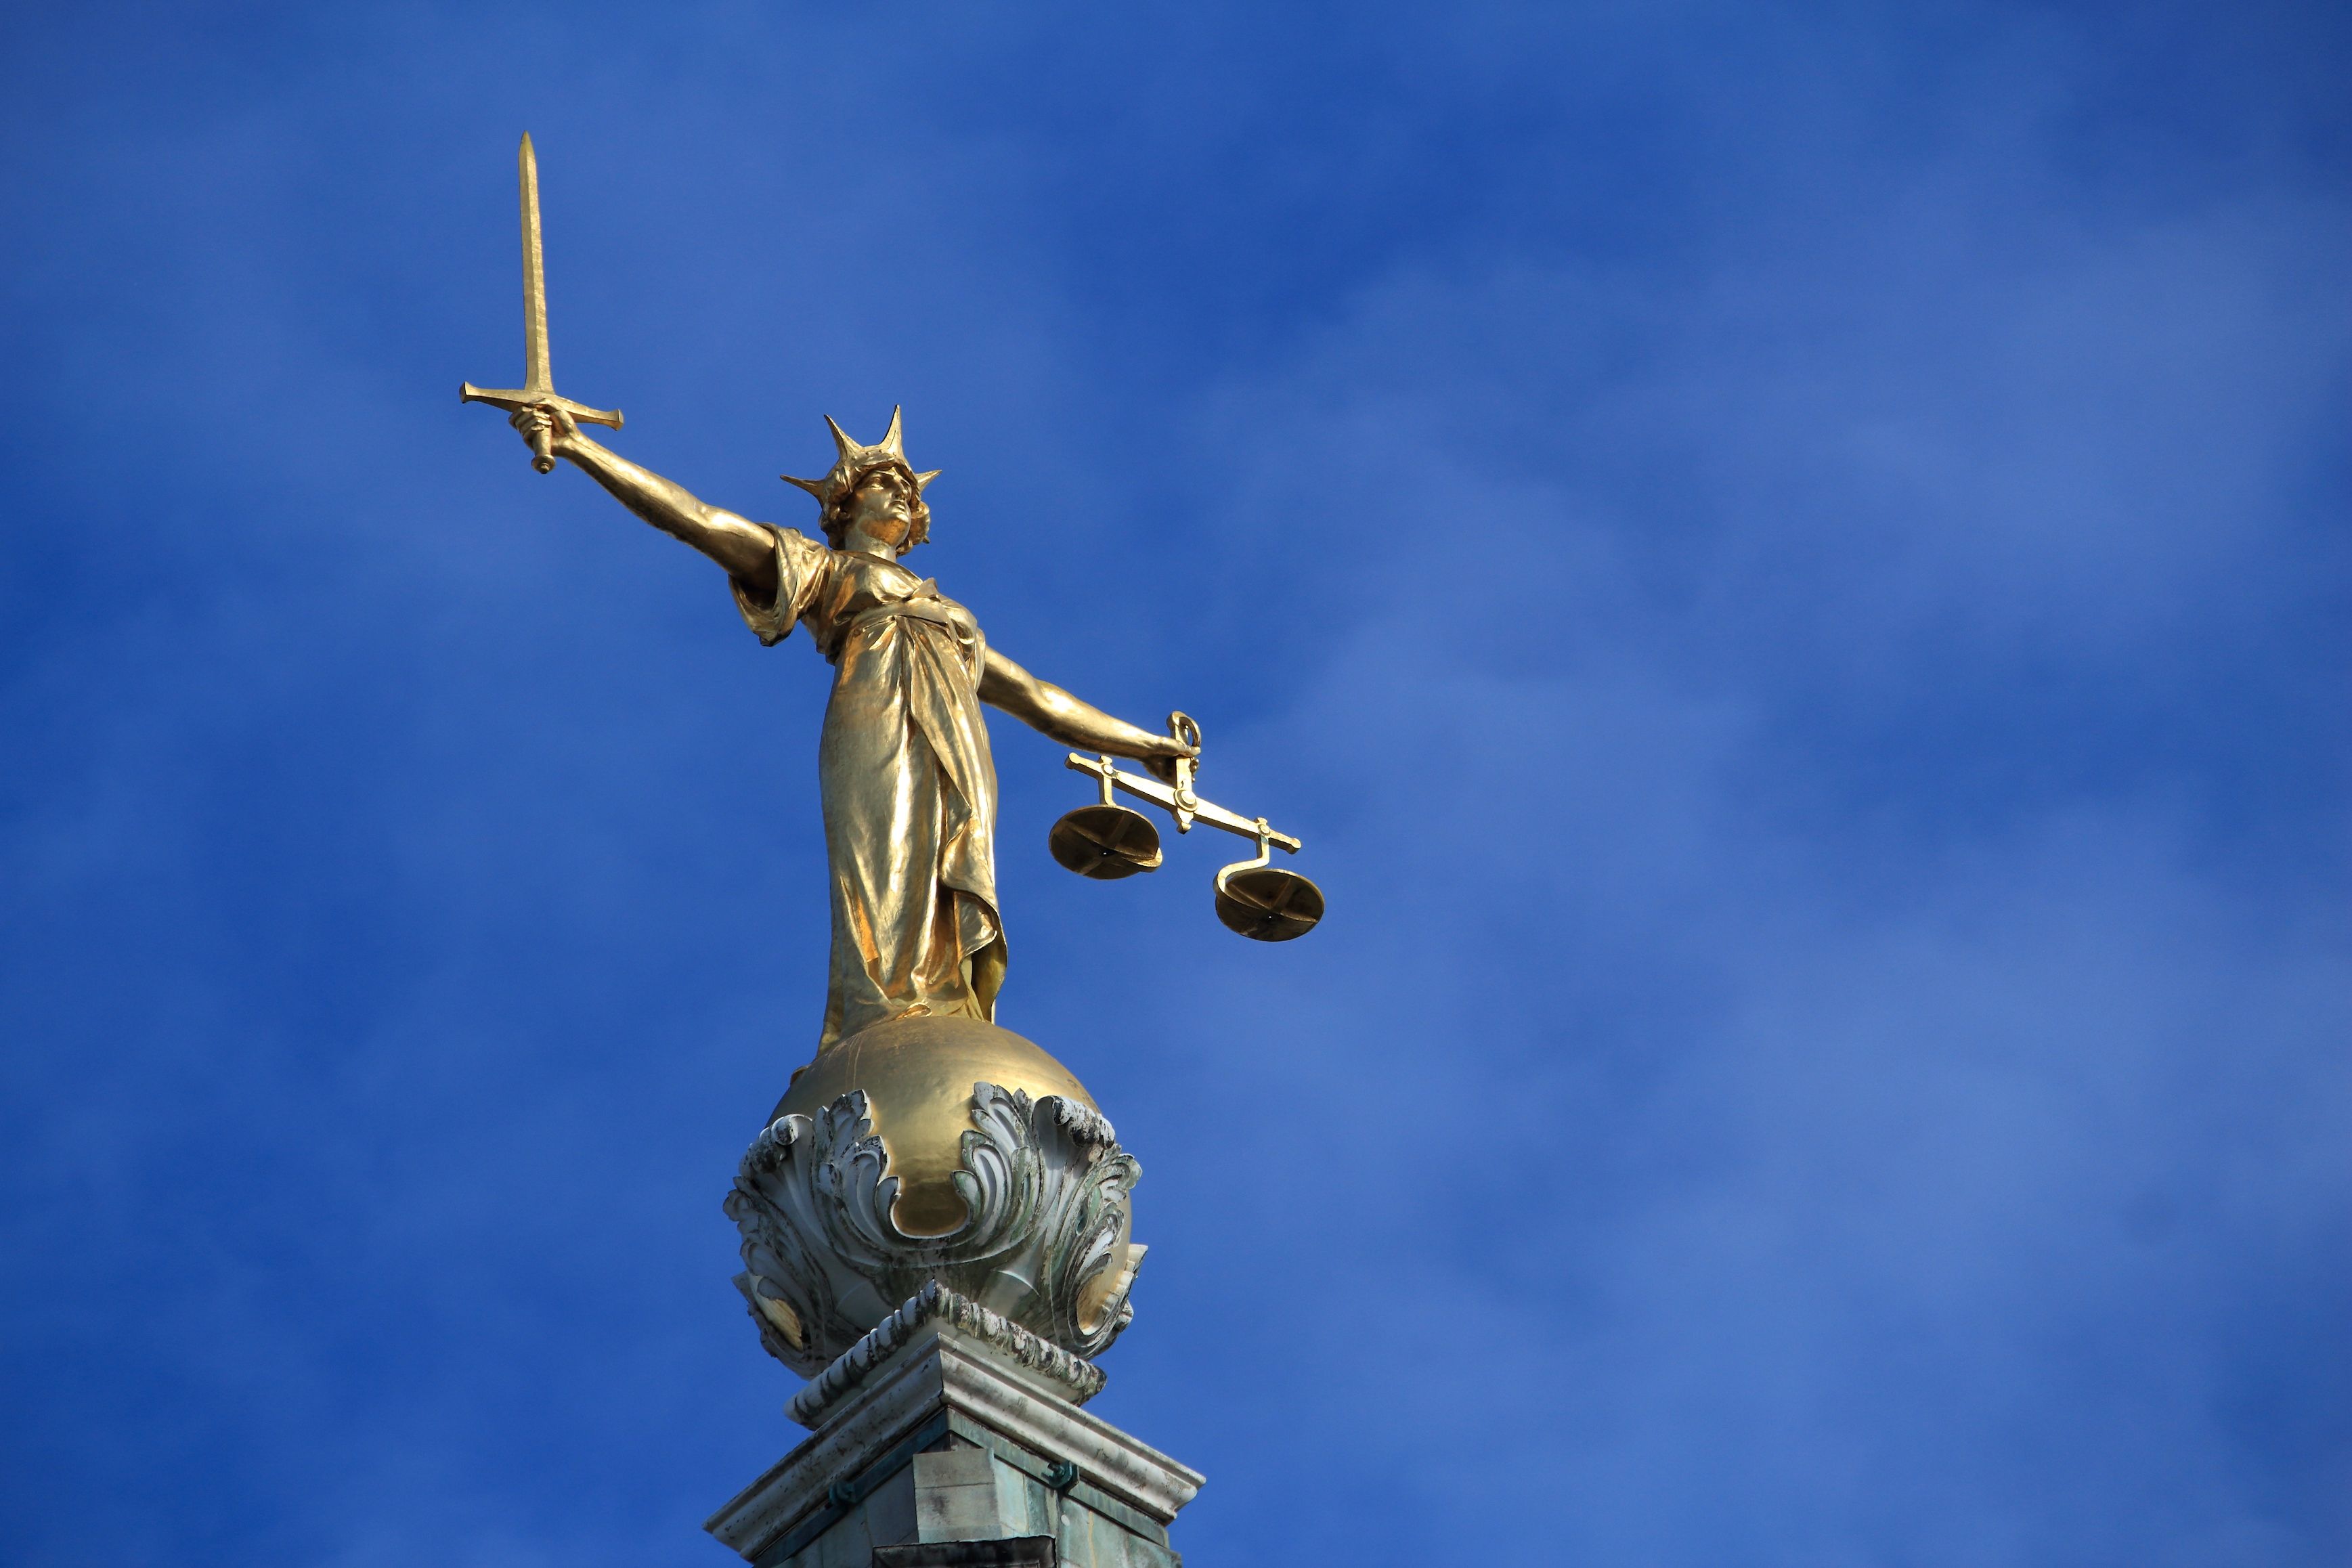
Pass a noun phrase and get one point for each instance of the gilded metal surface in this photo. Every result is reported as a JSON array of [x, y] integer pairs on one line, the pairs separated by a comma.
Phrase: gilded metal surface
[[1259, 901], [918, 1075], [1265, 902], [536, 373], [1188, 805], [538, 387], [1104, 842], [907, 781], [1177, 799]]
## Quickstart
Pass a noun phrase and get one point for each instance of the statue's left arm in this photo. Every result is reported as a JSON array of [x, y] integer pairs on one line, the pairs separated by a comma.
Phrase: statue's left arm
[[1047, 708]]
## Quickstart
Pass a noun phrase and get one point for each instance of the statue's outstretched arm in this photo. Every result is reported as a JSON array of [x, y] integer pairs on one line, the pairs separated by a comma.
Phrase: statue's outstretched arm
[[1047, 708], [745, 548]]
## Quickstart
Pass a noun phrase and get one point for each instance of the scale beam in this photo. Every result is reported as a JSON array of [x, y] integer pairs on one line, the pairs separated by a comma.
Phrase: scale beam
[[1185, 806]]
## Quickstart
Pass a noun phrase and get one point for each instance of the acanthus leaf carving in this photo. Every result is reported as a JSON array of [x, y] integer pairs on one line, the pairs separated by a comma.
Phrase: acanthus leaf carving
[[1044, 1242]]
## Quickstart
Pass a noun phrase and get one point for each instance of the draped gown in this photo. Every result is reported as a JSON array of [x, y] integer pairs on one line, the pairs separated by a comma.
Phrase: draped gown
[[907, 783]]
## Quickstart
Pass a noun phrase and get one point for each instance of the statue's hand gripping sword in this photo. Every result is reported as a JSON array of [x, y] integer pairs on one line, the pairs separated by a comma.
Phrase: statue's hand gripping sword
[[539, 388]]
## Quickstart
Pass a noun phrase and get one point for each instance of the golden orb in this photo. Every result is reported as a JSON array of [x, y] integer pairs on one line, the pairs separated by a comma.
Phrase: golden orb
[[917, 1074]]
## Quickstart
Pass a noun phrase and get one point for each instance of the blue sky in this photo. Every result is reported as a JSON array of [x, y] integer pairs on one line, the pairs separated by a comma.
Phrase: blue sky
[[1789, 563]]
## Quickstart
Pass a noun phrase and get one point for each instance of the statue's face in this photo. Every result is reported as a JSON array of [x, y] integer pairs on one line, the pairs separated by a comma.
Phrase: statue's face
[[882, 506]]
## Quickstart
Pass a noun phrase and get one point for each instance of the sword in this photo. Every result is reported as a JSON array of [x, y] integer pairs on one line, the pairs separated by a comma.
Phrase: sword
[[539, 387]]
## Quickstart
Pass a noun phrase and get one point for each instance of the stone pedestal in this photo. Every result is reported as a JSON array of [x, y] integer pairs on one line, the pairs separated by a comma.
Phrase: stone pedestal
[[951, 1437]]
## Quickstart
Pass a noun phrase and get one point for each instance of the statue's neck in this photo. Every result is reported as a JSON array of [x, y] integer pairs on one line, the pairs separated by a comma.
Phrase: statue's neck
[[865, 544]]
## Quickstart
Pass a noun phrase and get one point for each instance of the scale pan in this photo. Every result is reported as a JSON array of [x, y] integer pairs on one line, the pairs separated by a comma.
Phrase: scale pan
[[1104, 842], [1268, 904]]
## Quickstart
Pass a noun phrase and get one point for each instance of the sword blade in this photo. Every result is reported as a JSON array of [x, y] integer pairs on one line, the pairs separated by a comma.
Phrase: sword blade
[[536, 376]]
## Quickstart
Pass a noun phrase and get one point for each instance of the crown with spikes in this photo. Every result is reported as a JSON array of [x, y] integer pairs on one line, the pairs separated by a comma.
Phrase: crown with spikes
[[852, 462]]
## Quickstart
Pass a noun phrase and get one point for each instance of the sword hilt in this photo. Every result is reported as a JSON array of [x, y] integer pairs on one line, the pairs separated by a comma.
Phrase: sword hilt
[[515, 399]]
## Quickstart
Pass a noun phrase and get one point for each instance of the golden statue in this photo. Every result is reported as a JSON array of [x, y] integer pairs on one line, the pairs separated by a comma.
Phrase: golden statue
[[908, 788], [908, 785]]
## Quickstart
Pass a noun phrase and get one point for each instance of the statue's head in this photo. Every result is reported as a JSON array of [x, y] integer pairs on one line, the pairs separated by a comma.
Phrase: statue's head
[[873, 485]]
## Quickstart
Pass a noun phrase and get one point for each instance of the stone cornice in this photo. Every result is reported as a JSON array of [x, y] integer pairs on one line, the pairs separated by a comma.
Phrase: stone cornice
[[1077, 1379]]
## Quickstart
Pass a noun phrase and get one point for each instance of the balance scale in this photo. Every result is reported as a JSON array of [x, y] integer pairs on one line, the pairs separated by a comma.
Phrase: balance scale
[[1107, 841]]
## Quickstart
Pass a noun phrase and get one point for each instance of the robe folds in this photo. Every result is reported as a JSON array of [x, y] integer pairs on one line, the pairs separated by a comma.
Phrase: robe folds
[[907, 783]]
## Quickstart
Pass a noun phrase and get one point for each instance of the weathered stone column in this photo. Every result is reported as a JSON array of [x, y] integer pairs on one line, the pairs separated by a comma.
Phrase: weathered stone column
[[949, 1436]]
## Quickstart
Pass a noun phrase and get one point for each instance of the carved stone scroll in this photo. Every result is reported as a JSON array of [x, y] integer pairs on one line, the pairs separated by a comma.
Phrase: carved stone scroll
[[1044, 1246]]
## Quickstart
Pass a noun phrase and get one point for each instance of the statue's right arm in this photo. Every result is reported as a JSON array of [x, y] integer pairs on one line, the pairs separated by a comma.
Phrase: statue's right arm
[[743, 548]]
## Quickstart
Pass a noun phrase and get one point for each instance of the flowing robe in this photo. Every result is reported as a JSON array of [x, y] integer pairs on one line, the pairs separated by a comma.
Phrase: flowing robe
[[908, 785]]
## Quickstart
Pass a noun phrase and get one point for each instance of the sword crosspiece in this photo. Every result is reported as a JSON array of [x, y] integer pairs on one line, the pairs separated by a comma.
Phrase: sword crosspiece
[[538, 384]]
